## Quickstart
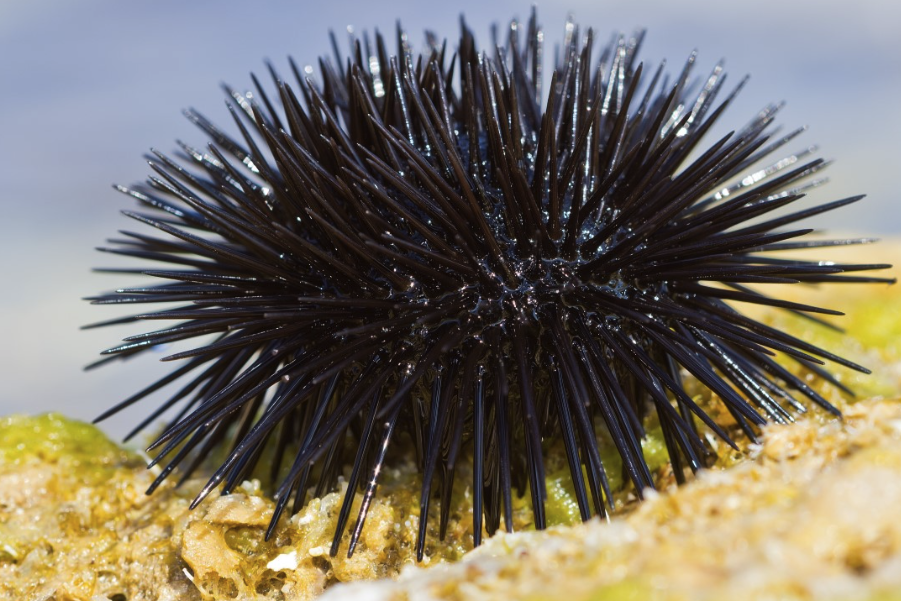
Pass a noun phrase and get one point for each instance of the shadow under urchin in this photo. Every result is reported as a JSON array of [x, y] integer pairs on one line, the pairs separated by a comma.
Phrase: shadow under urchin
[[427, 245]]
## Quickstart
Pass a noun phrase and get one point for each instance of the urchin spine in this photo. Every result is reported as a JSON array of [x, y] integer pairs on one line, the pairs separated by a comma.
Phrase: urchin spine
[[424, 245]]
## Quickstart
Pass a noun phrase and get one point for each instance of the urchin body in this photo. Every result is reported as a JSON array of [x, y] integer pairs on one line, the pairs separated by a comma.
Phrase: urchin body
[[428, 246]]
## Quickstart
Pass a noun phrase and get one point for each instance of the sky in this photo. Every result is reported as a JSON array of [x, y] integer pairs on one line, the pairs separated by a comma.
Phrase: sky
[[89, 86]]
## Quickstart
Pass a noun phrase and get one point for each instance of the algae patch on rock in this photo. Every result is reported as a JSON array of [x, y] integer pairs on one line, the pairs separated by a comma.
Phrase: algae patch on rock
[[75, 524], [74, 519]]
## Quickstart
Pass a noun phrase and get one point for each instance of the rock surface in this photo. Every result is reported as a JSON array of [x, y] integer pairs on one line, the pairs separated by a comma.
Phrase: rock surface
[[814, 515]]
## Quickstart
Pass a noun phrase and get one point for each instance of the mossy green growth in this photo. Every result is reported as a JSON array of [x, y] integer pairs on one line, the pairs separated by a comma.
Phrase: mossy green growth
[[869, 334], [882, 335], [627, 590], [872, 342], [632, 589], [886, 596], [80, 448], [561, 506], [653, 446]]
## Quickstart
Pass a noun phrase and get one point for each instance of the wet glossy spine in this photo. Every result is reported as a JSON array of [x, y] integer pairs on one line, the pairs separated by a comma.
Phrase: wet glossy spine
[[429, 246]]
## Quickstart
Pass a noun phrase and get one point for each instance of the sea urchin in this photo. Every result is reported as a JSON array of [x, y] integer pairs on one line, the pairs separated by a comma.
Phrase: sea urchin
[[426, 245]]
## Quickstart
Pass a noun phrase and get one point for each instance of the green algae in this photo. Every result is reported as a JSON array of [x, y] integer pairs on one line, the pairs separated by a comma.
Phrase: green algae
[[875, 343], [653, 447], [628, 590], [82, 449], [561, 506], [869, 334]]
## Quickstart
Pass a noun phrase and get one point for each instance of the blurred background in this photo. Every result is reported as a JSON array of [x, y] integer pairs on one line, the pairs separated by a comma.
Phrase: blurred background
[[88, 86]]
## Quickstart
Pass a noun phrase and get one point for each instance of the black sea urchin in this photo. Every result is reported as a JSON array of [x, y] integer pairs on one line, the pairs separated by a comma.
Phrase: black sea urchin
[[425, 245]]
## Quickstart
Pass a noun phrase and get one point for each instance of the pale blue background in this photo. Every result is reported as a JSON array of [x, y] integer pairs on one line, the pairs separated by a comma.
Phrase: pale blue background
[[87, 86]]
